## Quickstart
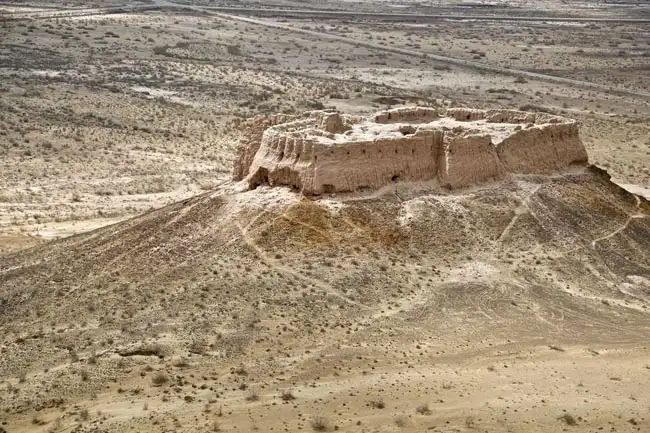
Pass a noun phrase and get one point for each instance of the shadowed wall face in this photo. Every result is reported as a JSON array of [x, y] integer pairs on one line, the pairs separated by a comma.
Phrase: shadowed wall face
[[325, 152]]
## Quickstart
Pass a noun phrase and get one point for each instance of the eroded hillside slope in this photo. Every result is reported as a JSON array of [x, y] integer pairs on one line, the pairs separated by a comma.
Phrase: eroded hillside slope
[[521, 306]]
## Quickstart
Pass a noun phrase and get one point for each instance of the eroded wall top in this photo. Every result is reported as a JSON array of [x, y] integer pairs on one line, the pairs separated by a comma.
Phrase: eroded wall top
[[323, 151]]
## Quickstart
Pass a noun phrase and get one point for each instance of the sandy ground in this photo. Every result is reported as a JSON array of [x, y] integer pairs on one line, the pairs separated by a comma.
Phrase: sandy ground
[[260, 312], [269, 312], [118, 134]]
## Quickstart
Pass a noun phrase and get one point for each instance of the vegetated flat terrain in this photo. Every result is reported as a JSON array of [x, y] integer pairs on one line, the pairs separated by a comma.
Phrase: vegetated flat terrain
[[105, 116], [516, 307]]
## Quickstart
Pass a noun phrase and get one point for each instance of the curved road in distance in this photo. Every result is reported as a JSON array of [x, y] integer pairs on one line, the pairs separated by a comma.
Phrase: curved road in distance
[[309, 13], [75, 12], [443, 59], [316, 13], [470, 64]]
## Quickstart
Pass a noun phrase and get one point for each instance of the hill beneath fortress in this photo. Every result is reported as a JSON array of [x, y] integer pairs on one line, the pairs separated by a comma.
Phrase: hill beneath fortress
[[405, 296]]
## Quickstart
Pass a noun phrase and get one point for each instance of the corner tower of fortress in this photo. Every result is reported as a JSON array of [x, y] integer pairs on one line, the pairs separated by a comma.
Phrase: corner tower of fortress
[[324, 152]]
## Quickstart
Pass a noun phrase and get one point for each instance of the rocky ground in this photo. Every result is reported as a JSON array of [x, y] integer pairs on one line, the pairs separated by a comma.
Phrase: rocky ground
[[516, 307], [106, 116], [520, 307]]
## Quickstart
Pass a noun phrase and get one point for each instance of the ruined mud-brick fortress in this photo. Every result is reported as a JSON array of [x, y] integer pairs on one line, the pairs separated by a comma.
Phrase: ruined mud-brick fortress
[[325, 152]]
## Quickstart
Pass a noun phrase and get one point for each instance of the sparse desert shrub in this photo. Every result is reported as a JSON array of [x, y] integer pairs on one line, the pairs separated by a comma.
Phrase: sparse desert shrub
[[568, 419], [56, 426], [233, 50], [241, 370], [423, 409], [84, 374], [252, 396], [319, 423], [180, 361], [161, 50], [287, 395], [198, 345], [159, 379], [314, 105], [533, 107], [155, 349], [401, 420]]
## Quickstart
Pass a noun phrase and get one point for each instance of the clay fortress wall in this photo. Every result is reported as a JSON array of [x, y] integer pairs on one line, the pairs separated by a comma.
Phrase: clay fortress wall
[[324, 152]]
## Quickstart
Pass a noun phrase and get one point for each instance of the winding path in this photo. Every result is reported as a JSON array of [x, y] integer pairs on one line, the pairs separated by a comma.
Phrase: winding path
[[621, 228], [279, 267], [522, 209]]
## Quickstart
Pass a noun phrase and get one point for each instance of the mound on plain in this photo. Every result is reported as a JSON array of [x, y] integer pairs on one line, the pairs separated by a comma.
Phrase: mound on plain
[[513, 306]]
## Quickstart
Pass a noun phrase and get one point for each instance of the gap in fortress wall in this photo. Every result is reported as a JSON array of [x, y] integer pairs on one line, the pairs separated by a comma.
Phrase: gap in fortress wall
[[325, 152]]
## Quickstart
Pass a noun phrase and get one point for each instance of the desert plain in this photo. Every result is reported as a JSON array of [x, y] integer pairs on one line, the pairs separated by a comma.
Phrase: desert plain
[[143, 289]]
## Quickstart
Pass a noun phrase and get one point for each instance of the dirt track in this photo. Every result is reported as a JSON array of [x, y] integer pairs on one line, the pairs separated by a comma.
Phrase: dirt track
[[328, 14], [444, 59], [520, 306], [332, 14], [470, 64], [76, 12]]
